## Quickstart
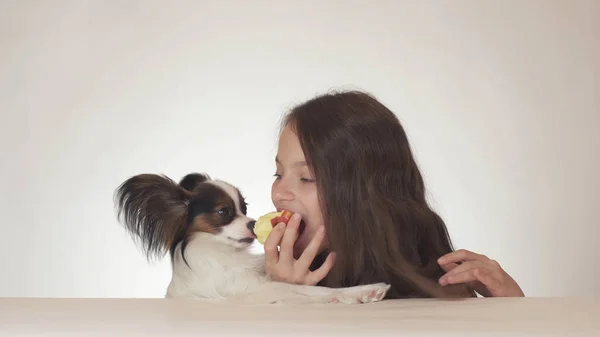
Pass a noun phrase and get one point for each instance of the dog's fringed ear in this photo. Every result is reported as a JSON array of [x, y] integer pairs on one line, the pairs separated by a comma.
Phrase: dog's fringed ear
[[153, 209], [190, 181]]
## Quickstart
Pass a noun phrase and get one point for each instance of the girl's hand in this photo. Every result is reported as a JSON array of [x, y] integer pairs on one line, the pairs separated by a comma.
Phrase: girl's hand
[[485, 276], [281, 265]]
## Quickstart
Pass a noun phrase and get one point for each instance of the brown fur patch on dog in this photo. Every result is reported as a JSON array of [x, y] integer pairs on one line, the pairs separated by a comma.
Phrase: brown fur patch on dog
[[223, 211], [200, 224]]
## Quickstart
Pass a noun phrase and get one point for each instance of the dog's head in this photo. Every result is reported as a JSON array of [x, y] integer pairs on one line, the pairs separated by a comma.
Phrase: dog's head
[[162, 214]]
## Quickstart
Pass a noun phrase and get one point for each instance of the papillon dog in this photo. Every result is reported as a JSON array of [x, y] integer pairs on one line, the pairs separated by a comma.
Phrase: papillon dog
[[204, 227]]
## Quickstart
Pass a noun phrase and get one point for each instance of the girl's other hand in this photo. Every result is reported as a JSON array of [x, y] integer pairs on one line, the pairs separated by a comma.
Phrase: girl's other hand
[[280, 265], [484, 275]]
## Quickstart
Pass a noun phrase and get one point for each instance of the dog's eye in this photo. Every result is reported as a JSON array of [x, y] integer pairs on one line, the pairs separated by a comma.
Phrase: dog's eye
[[225, 212]]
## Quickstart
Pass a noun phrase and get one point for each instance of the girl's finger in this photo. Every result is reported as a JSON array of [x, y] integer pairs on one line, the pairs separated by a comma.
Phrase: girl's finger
[[461, 255], [450, 266], [319, 274], [290, 236], [466, 266], [271, 244], [459, 269], [474, 275], [311, 251]]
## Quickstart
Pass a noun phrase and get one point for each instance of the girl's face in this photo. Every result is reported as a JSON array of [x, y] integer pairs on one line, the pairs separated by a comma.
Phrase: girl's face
[[294, 188]]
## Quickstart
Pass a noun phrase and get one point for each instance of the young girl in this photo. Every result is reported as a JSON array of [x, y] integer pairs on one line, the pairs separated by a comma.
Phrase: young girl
[[346, 169]]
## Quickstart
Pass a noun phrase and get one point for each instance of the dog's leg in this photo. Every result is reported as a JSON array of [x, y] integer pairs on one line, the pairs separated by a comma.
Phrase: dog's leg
[[361, 294], [285, 293]]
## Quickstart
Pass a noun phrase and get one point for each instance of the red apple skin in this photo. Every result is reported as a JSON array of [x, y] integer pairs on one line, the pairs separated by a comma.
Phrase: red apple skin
[[275, 221], [284, 217]]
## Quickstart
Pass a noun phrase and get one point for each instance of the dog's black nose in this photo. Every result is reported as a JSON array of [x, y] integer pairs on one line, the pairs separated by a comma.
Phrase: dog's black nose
[[250, 225]]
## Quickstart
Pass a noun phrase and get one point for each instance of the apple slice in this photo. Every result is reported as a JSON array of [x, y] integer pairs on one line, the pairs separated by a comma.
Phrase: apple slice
[[265, 224]]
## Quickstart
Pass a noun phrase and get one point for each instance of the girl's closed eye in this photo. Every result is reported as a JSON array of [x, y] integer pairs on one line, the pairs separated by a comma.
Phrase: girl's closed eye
[[304, 180]]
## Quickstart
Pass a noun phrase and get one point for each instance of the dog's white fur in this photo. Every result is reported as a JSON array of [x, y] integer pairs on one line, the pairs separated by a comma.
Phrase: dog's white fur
[[221, 272]]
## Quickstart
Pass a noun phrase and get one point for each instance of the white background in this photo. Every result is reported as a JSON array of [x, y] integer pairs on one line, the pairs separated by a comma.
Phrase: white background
[[500, 100]]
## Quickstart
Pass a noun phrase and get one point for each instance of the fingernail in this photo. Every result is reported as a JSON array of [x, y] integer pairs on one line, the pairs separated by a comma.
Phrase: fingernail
[[296, 217], [281, 225]]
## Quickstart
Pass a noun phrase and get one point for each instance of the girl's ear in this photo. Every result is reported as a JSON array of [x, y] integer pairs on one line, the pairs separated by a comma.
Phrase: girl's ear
[[191, 180]]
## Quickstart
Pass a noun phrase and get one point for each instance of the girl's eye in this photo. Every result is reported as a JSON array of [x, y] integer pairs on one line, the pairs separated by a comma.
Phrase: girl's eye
[[304, 180]]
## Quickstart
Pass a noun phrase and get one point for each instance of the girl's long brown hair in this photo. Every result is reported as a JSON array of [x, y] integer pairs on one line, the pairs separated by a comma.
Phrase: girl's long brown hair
[[373, 197]]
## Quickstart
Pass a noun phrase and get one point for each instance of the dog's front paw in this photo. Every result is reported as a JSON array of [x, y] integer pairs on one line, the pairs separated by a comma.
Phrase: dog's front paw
[[361, 294]]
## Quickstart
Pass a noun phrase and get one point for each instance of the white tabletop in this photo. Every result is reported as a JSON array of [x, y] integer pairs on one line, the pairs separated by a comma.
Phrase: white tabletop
[[575, 316]]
